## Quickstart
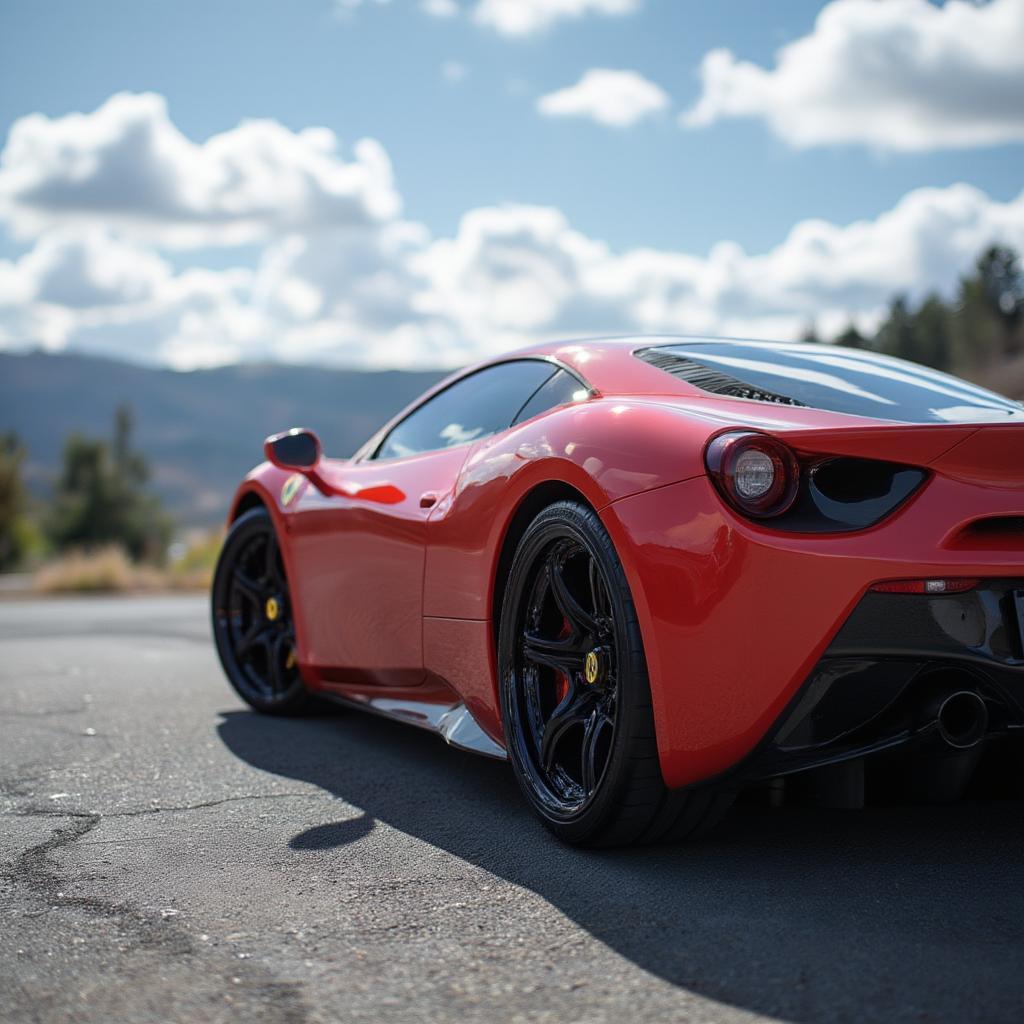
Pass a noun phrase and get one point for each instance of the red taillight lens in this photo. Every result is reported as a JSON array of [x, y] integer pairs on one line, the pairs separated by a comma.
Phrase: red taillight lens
[[937, 586], [756, 473]]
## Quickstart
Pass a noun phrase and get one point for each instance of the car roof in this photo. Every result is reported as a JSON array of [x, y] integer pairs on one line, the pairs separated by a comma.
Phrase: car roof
[[608, 364], [830, 379]]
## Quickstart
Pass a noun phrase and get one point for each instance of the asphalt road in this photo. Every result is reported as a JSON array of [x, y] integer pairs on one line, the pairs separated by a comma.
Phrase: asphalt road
[[169, 856]]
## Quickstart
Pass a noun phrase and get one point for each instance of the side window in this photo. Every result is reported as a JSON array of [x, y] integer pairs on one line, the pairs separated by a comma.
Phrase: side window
[[561, 389], [471, 408]]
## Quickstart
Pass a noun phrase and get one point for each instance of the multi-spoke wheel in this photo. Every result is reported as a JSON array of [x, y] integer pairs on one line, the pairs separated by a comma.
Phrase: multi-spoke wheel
[[252, 620], [575, 698], [567, 670]]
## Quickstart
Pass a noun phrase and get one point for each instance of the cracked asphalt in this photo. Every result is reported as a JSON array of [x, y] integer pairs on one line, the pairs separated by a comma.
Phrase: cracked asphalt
[[166, 855]]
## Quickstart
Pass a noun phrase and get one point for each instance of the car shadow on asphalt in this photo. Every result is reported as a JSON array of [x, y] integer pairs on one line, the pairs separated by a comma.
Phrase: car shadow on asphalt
[[801, 914]]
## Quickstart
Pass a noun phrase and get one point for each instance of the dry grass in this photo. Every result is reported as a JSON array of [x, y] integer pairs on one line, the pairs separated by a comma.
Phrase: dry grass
[[194, 569], [105, 569], [110, 570]]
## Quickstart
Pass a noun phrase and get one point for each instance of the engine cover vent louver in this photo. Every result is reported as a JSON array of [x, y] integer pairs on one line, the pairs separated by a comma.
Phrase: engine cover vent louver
[[707, 379]]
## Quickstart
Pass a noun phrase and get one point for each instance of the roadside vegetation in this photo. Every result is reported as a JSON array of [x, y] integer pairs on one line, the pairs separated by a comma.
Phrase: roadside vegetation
[[103, 529], [19, 537], [109, 569]]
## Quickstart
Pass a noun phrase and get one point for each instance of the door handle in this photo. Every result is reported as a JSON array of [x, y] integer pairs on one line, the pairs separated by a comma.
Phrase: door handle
[[428, 499]]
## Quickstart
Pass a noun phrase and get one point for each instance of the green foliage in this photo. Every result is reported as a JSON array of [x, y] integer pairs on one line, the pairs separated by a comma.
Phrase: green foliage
[[1002, 284], [852, 338], [101, 498], [14, 536], [896, 336], [932, 328], [982, 328]]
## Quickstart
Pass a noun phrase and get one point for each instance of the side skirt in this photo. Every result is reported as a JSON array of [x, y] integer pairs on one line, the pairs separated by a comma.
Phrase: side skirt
[[453, 723]]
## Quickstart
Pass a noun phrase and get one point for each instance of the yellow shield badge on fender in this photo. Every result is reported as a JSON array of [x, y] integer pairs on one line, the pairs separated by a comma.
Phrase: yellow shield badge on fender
[[291, 488]]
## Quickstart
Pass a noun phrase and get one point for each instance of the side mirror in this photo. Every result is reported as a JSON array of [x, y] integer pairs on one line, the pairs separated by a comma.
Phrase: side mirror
[[295, 449], [299, 451]]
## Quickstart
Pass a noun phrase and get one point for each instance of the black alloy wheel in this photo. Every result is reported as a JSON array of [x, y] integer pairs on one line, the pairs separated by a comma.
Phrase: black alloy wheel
[[252, 618], [576, 703], [567, 666]]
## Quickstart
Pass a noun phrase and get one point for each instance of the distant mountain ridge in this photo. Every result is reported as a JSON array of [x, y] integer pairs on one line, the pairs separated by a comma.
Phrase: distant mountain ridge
[[201, 430]]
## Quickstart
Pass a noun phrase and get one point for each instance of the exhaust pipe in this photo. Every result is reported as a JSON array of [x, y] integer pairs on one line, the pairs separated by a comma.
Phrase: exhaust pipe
[[956, 721], [962, 719]]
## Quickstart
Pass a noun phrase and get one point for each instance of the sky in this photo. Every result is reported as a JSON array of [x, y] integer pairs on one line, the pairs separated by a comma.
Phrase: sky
[[427, 182]]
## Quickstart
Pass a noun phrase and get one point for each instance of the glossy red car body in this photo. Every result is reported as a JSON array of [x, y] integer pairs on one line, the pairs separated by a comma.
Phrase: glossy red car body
[[397, 586]]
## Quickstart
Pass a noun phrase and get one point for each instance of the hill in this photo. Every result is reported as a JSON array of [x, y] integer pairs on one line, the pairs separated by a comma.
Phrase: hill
[[201, 430]]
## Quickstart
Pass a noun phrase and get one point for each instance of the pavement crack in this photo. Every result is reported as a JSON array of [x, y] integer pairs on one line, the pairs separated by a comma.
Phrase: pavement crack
[[139, 812], [35, 869], [175, 808]]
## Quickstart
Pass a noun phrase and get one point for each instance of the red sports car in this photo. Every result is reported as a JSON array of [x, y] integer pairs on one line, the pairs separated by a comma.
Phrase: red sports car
[[653, 572]]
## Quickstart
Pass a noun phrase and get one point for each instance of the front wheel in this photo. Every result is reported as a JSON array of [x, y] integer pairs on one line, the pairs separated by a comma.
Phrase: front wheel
[[576, 703], [252, 618]]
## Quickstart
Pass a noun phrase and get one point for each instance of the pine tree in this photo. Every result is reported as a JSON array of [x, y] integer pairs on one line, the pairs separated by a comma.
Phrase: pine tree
[[931, 329], [101, 497], [12, 501], [852, 338]]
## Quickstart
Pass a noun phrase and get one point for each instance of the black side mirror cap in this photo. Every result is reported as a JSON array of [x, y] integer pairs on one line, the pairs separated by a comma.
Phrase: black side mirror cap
[[296, 449]]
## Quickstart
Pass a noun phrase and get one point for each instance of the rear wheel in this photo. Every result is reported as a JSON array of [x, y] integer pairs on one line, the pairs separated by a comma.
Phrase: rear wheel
[[252, 618], [576, 703]]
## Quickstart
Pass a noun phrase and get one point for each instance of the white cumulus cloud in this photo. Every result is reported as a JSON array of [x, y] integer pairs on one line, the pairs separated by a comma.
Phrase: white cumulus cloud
[[102, 207], [904, 75], [518, 273], [509, 276], [528, 17], [617, 99], [96, 292], [126, 165]]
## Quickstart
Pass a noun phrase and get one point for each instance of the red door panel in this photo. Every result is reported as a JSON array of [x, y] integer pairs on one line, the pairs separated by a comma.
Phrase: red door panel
[[360, 559]]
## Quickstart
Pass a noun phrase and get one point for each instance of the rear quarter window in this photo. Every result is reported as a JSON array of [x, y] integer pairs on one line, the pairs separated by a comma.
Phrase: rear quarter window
[[830, 378]]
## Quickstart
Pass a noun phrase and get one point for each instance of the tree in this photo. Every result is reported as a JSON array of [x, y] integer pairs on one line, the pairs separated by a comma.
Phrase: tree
[[1002, 286], [895, 336], [931, 329], [977, 335], [12, 501], [852, 338], [101, 497]]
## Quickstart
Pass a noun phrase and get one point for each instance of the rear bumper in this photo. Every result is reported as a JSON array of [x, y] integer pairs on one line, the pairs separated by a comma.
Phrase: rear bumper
[[739, 620], [883, 678]]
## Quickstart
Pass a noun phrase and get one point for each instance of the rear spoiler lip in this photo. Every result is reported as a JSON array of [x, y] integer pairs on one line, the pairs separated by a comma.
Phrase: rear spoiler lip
[[915, 444]]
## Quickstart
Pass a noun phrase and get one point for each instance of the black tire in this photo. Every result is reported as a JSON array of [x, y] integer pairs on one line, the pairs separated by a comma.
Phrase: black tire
[[575, 697], [256, 640]]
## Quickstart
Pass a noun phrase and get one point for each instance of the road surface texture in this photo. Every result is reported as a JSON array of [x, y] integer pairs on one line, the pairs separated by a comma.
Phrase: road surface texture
[[168, 855]]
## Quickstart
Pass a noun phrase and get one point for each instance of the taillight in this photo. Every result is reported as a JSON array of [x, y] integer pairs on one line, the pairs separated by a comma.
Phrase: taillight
[[757, 474]]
